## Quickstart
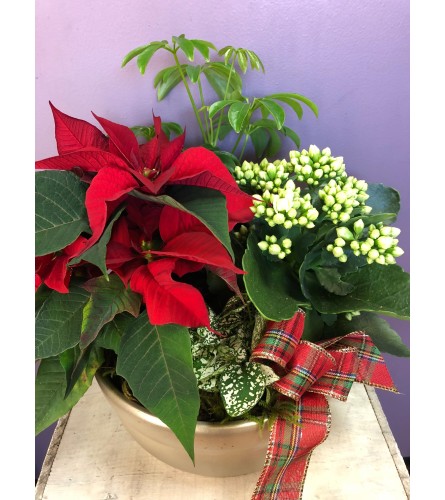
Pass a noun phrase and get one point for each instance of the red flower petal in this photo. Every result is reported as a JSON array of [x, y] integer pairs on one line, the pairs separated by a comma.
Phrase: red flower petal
[[89, 160], [59, 276], [122, 141], [166, 300], [200, 167], [109, 184], [173, 222], [73, 134], [199, 247]]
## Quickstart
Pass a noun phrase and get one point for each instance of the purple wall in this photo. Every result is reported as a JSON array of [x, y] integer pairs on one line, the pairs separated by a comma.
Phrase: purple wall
[[351, 58]]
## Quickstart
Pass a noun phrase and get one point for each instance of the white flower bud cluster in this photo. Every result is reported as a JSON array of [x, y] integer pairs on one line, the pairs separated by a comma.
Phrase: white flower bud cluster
[[285, 207], [263, 176], [378, 244], [242, 233], [277, 247], [340, 197], [312, 166]]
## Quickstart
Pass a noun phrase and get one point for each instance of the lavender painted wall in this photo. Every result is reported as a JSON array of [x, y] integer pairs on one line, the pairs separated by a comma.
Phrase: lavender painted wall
[[351, 58]]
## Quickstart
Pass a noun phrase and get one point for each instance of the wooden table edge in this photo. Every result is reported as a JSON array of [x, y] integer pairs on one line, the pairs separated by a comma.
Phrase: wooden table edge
[[389, 438], [373, 399], [51, 455]]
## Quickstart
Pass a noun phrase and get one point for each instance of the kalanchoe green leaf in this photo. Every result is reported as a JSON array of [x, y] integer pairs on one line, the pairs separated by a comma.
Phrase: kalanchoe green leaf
[[273, 289], [379, 289], [382, 334]]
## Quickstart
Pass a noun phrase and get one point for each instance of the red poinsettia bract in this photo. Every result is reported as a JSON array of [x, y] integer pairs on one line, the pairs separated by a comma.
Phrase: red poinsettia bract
[[151, 244], [120, 165]]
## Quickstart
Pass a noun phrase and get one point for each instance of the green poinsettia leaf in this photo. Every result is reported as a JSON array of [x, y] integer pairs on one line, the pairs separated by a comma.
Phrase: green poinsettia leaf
[[111, 334], [50, 388], [156, 362], [97, 253], [383, 199], [60, 213], [108, 298], [377, 288], [271, 287], [381, 333], [58, 322], [241, 387], [42, 293], [207, 205]]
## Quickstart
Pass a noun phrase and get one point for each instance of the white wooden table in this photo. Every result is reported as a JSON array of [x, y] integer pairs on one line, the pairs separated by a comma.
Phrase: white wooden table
[[91, 456]]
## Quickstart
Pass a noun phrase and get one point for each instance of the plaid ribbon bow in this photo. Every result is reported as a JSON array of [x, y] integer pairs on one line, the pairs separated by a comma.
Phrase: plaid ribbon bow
[[309, 372]]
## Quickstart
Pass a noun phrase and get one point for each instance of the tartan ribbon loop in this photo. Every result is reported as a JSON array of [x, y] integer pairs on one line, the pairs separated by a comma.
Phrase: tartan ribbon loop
[[308, 373], [328, 367]]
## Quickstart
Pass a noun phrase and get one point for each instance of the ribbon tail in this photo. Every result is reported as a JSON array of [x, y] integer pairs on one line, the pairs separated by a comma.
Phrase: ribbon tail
[[290, 448]]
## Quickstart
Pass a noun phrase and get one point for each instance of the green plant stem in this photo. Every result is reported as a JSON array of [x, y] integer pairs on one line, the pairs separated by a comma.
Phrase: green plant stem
[[246, 138], [240, 135], [192, 101], [225, 97], [208, 121]]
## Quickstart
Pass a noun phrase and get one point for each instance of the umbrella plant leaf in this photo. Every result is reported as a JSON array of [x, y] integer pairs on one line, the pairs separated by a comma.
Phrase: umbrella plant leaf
[[237, 114]]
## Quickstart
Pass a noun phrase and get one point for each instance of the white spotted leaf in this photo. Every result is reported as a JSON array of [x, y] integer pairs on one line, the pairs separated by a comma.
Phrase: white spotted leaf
[[241, 387]]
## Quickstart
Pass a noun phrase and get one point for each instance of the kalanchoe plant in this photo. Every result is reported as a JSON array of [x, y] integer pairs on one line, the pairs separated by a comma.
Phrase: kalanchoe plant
[[160, 265]]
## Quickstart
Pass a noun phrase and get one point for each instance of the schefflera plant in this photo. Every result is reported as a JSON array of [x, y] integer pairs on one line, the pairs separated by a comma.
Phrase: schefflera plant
[[227, 113]]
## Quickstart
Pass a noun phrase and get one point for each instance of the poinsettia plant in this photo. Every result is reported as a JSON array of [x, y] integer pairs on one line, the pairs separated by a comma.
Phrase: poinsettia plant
[[160, 263]]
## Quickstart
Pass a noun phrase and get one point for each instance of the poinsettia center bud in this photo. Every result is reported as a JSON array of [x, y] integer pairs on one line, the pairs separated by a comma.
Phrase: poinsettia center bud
[[150, 173], [145, 245]]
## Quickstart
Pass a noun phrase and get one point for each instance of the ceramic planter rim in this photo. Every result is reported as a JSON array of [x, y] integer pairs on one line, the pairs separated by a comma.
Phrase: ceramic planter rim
[[207, 427]]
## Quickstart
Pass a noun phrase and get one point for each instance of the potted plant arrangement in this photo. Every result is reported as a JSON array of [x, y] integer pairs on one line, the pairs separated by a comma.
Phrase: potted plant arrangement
[[217, 287]]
